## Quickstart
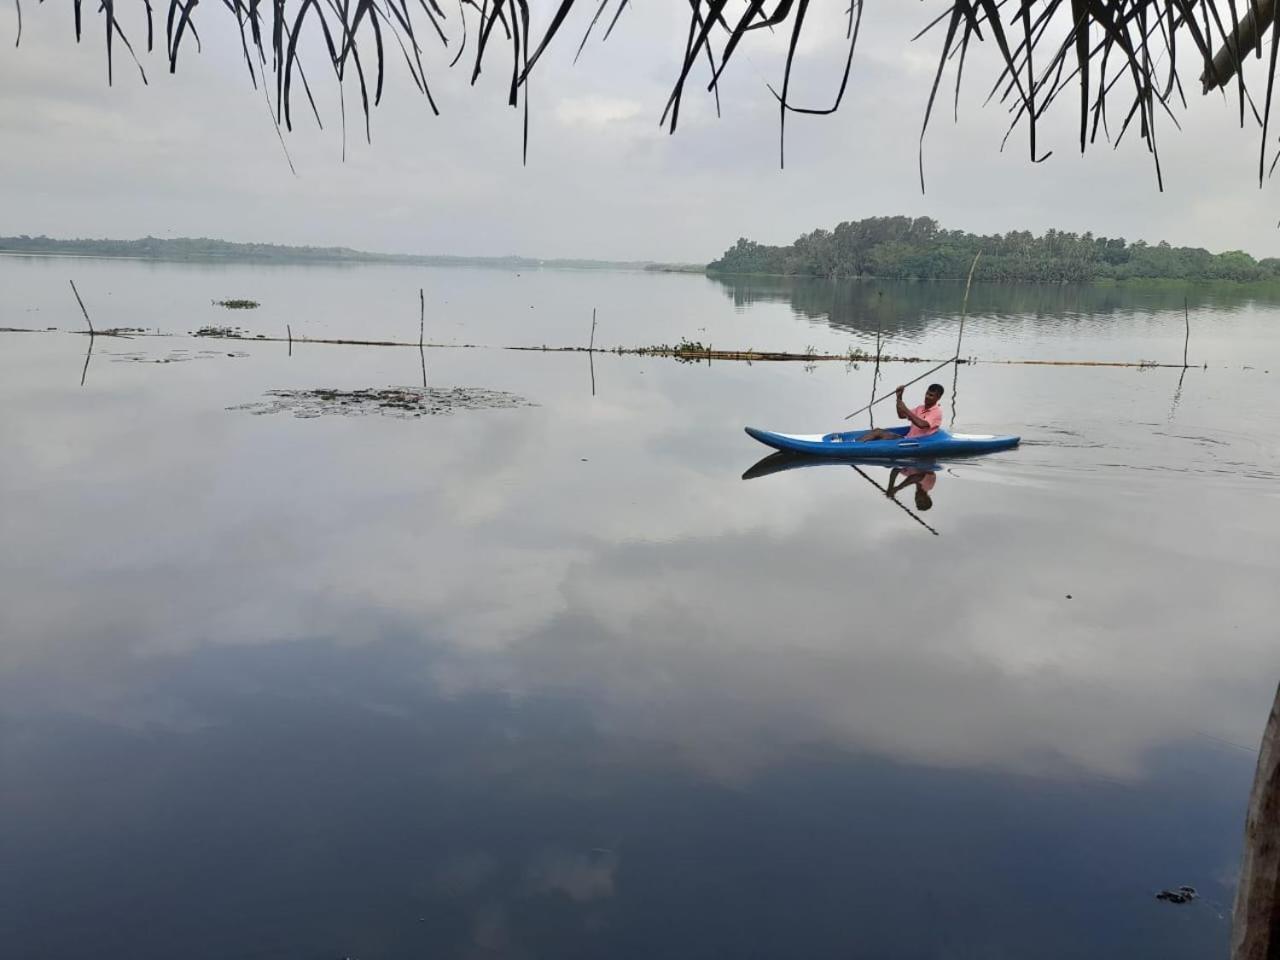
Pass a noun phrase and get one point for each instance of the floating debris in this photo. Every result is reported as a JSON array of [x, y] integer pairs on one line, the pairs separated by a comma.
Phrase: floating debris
[[173, 356], [389, 402], [1181, 895]]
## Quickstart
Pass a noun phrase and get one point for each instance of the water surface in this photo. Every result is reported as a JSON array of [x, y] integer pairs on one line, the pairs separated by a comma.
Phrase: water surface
[[555, 681]]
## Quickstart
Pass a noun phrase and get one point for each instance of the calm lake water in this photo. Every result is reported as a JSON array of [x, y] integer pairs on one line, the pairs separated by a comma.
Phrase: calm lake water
[[555, 681]]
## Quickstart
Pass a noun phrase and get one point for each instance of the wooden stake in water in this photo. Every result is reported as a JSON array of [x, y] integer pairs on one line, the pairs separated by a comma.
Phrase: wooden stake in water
[[591, 351], [82, 309], [1186, 316], [956, 359], [964, 310], [875, 374], [964, 305], [422, 322]]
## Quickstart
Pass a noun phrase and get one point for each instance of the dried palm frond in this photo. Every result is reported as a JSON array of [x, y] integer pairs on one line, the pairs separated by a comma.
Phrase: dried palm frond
[[1118, 55]]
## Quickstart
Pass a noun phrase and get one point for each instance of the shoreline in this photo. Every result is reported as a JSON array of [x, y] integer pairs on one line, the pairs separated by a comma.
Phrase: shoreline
[[497, 263], [1096, 282]]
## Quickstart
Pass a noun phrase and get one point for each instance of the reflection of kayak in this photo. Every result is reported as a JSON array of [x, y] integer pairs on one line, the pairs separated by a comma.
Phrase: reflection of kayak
[[785, 460], [845, 445]]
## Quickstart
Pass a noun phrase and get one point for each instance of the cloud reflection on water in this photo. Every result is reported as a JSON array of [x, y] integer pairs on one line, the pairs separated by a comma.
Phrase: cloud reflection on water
[[733, 620]]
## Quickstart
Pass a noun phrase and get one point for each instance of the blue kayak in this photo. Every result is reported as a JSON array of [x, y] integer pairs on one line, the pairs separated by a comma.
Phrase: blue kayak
[[940, 443]]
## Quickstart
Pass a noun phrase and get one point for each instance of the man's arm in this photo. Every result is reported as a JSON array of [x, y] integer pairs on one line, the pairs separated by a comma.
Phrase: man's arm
[[906, 414]]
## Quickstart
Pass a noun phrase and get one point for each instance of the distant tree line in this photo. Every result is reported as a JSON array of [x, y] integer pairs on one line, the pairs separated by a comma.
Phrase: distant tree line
[[205, 249], [906, 248], [183, 248]]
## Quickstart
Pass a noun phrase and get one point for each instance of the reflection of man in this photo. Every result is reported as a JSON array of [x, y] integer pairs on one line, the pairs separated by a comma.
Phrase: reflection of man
[[924, 419], [922, 480]]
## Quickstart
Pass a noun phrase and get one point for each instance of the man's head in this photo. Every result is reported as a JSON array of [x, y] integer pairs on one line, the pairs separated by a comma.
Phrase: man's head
[[933, 394]]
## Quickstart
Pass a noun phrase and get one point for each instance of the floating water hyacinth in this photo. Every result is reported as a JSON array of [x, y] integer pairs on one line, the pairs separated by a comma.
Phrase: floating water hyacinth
[[389, 401]]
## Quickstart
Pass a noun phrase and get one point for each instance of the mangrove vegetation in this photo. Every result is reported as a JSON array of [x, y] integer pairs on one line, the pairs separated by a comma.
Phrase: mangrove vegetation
[[906, 248]]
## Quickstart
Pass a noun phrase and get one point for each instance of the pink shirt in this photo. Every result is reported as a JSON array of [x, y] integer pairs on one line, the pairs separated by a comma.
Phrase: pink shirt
[[931, 415]]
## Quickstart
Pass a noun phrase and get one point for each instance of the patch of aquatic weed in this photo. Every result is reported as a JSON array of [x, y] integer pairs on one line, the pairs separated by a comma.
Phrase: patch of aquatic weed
[[173, 356], [401, 402]]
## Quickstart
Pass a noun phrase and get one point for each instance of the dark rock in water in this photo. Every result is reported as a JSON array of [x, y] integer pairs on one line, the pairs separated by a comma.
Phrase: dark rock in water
[[391, 401], [1183, 894]]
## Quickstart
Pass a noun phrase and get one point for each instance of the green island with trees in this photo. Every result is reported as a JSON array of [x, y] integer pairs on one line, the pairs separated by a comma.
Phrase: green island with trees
[[906, 248]]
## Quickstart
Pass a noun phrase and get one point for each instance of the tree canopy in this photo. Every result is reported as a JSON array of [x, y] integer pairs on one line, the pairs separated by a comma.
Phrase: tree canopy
[[919, 248]]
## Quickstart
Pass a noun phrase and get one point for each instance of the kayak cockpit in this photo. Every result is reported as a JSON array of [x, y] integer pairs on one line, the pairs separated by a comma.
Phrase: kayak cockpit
[[854, 436]]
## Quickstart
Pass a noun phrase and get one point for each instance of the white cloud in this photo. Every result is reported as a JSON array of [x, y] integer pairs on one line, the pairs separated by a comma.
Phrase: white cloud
[[195, 154], [598, 112]]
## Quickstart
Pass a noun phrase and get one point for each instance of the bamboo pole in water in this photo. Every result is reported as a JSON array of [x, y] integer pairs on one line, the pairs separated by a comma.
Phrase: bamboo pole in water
[[88, 354], [964, 307], [422, 323], [964, 310], [591, 352], [749, 356], [875, 374], [1186, 316], [82, 309], [1255, 924]]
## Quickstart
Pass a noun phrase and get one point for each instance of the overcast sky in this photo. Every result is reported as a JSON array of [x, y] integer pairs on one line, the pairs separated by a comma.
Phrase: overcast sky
[[195, 154]]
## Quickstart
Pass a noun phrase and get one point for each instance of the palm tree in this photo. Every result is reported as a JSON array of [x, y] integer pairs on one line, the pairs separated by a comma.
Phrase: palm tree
[[1120, 57]]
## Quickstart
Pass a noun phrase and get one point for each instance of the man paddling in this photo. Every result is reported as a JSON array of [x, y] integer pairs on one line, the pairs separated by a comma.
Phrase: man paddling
[[925, 419]]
